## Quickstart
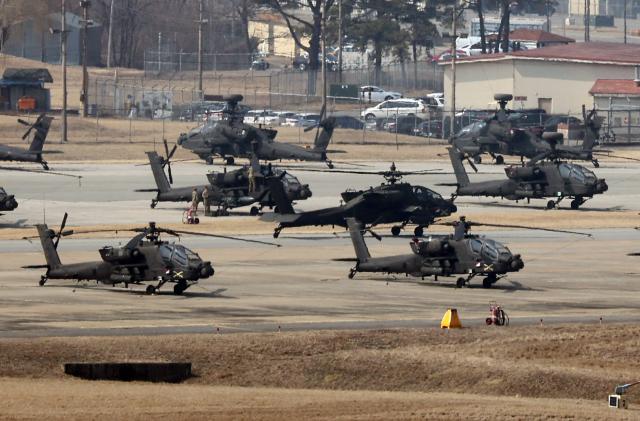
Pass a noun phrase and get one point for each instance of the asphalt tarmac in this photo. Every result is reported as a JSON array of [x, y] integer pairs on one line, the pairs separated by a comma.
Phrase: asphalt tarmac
[[566, 278]]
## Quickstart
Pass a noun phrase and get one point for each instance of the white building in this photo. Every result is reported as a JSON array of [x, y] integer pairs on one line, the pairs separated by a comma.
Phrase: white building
[[557, 79]]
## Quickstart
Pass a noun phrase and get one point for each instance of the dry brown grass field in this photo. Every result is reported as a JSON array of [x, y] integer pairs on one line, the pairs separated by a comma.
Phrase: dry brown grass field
[[563, 371]]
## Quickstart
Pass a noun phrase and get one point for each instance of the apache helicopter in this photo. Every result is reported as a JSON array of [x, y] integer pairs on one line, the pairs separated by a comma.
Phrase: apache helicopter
[[445, 255], [497, 136], [34, 153], [232, 138], [226, 189], [144, 259], [549, 179], [7, 201], [389, 202]]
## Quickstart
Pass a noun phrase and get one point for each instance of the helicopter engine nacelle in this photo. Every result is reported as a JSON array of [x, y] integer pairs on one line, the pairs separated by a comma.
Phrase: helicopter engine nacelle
[[524, 173], [116, 255], [433, 247]]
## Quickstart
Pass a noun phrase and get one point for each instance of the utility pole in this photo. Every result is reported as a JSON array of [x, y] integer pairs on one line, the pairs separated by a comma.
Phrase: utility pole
[[453, 68], [548, 13], [63, 52], [624, 18], [340, 41], [110, 35], [324, 58], [200, 22], [84, 4], [587, 20]]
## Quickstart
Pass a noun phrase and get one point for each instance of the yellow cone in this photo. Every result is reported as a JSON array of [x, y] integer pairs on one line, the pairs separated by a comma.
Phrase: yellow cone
[[450, 320]]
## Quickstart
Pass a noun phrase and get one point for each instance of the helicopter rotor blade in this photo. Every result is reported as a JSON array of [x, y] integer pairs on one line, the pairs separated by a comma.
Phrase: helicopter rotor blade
[[227, 237], [59, 234], [472, 164], [39, 171], [616, 156], [525, 227]]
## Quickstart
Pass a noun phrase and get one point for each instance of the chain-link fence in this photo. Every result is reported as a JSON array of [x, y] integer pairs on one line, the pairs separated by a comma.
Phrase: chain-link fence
[[158, 62], [620, 124]]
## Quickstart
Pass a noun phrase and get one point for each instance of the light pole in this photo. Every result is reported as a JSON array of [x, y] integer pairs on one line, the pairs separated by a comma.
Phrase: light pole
[[340, 41], [110, 35], [63, 53], [453, 68], [624, 18], [200, 22], [85, 4]]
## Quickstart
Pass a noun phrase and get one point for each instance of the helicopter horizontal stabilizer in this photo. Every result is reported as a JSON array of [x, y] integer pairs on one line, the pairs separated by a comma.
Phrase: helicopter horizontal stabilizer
[[279, 217], [147, 190], [35, 267]]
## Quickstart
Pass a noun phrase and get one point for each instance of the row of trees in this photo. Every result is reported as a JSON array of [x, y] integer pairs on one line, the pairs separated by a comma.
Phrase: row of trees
[[398, 27]]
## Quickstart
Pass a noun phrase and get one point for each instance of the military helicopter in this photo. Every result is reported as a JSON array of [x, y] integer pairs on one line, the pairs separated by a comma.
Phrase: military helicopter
[[444, 255], [549, 179], [497, 136], [34, 153], [231, 138], [144, 259], [226, 189], [389, 202], [7, 201]]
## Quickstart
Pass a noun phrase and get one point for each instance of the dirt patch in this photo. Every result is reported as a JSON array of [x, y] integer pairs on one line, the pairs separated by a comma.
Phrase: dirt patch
[[573, 361]]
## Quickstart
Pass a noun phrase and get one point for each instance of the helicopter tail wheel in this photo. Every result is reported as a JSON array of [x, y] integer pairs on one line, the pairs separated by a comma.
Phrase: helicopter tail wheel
[[352, 273], [499, 160], [254, 211], [551, 204], [395, 230], [460, 282], [43, 280], [276, 232], [153, 204], [151, 290], [418, 231], [196, 220], [209, 160], [230, 160], [477, 159]]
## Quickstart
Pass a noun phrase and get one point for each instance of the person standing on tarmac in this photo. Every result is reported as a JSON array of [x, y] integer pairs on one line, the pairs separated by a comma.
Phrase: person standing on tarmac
[[205, 201], [194, 201], [252, 180]]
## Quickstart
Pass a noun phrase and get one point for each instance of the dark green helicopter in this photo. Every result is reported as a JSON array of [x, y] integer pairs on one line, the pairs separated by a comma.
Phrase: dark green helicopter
[[228, 189], [232, 138], [34, 153], [144, 259], [390, 202], [498, 136], [445, 255], [554, 180]]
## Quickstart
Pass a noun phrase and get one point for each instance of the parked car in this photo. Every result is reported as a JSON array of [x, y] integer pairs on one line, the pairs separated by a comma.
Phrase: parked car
[[434, 101], [303, 120], [259, 64], [430, 128], [374, 94], [302, 62], [266, 117], [396, 107], [348, 122], [404, 124], [284, 115]]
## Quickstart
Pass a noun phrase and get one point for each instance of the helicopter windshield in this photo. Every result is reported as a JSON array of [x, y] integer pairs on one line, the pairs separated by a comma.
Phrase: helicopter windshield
[[577, 172], [423, 193], [173, 254], [289, 180], [473, 128], [493, 249]]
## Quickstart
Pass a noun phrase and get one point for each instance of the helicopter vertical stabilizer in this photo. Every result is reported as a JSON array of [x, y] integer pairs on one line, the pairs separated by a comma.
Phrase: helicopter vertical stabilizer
[[322, 141], [40, 136], [48, 247], [591, 130], [279, 196], [355, 230], [158, 173], [458, 168]]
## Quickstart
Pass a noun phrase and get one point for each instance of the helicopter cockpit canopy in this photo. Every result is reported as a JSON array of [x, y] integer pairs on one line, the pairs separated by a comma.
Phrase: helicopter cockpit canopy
[[424, 194], [178, 255], [576, 172], [489, 250]]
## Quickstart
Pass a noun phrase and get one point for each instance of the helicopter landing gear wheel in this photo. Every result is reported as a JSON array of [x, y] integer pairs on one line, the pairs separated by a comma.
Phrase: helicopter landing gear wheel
[[179, 288], [551, 204], [276, 232], [209, 160], [486, 282], [352, 273], [230, 161], [254, 211], [499, 160], [460, 282], [477, 159], [395, 230], [575, 203], [43, 280], [418, 231], [154, 203], [150, 290]]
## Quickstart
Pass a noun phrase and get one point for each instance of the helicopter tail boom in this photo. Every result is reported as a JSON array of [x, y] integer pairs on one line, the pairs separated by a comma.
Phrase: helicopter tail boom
[[48, 247], [323, 139], [355, 230]]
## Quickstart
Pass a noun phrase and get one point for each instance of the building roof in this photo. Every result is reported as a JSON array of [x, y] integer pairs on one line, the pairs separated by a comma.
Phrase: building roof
[[28, 75], [535, 35], [626, 87], [580, 52]]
